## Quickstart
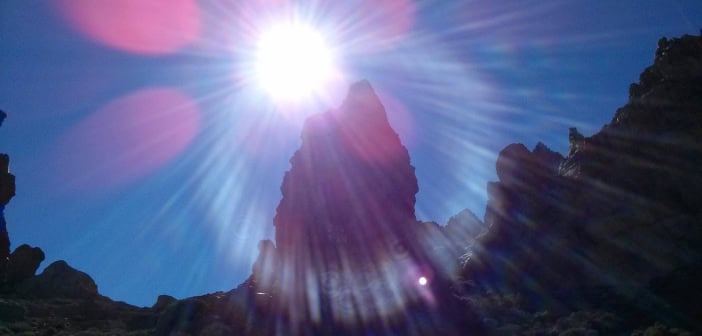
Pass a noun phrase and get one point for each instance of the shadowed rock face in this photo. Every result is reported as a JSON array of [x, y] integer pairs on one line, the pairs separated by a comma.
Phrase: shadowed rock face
[[350, 191], [622, 210], [7, 192], [24, 262], [604, 241]]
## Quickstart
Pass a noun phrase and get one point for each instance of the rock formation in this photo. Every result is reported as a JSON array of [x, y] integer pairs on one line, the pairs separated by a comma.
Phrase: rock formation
[[7, 192], [350, 192], [603, 241], [619, 212], [346, 232], [23, 263]]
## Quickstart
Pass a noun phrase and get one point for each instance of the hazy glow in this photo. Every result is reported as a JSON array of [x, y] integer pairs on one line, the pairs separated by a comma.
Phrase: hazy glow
[[136, 26], [127, 139], [422, 281], [292, 61]]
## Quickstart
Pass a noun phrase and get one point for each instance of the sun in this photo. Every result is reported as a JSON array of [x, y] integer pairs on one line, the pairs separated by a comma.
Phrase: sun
[[293, 61]]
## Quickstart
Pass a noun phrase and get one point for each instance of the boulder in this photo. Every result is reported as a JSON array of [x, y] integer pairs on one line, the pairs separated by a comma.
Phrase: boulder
[[59, 280], [24, 262]]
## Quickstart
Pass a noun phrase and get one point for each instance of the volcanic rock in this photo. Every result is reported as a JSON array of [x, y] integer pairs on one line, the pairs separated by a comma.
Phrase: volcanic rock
[[267, 263], [162, 302], [348, 198], [346, 232], [622, 209], [7, 180], [350, 191], [24, 262], [603, 241], [59, 280], [464, 227]]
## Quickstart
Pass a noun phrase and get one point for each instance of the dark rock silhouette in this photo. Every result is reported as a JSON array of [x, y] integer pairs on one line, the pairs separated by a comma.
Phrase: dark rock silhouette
[[7, 192], [350, 192], [621, 211], [23, 264], [346, 231], [60, 280], [603, 241], [162, 302]]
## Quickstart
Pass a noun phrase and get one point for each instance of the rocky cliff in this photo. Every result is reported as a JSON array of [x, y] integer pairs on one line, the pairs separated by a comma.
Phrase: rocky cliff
[[605, 240], [346, 232], [619, 213], [350, 192]]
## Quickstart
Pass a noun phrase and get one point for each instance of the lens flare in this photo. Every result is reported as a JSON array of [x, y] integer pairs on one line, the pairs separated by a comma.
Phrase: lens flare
[[137, 26], [127, 139], [422, 281], [292, 61]]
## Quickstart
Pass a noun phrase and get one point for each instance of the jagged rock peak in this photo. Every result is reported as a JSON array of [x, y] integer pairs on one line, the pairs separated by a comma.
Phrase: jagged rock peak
[[361, 90], [361, 87], [667, 96], [351, 176]]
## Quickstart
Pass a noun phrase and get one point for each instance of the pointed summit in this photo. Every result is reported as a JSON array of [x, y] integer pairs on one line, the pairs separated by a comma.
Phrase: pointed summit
[[361, 87], [347, 210], [350, 179]]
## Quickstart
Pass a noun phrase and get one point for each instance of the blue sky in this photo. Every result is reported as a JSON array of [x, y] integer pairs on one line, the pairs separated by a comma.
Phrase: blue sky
[[152, 163]]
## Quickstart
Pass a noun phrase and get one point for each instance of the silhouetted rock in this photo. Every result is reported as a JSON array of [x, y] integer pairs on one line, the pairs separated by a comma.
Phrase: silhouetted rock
[[604, 241], [464, 227], [623, 208], [348, 203], [7, 191], [7, 180], [266, 265], [162, 302], [183, 316], [24, 262], [350, 191], [11, 312], [59, 280]]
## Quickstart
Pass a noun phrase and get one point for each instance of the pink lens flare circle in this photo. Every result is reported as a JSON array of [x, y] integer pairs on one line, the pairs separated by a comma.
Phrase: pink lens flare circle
[[148, 27], [126, 139]]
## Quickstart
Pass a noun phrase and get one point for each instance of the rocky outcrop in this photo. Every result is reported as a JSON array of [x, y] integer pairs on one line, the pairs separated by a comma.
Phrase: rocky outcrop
[[620, 211], [603, 241], [60, 280], [7, 192], [346, 218], [350, 191], [23, 264]]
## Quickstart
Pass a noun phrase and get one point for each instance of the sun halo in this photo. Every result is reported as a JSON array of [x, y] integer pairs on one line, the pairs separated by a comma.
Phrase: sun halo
[[292, 62]]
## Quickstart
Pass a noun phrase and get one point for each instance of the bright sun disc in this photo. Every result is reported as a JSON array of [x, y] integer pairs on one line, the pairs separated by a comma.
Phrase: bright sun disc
[[292, 62]]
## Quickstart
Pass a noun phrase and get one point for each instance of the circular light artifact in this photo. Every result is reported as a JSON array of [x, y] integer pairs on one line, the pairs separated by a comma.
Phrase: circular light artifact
[[292, 62]]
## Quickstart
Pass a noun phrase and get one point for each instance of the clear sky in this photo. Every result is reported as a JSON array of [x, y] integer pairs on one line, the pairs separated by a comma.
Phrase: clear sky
[[148, 156]]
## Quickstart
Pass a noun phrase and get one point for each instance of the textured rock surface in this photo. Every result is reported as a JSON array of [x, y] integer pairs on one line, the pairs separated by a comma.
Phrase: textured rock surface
[[7, 191], [622, 210], [60, 280], [350, 191], [603, 241], [24, 262], [346, 232]]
